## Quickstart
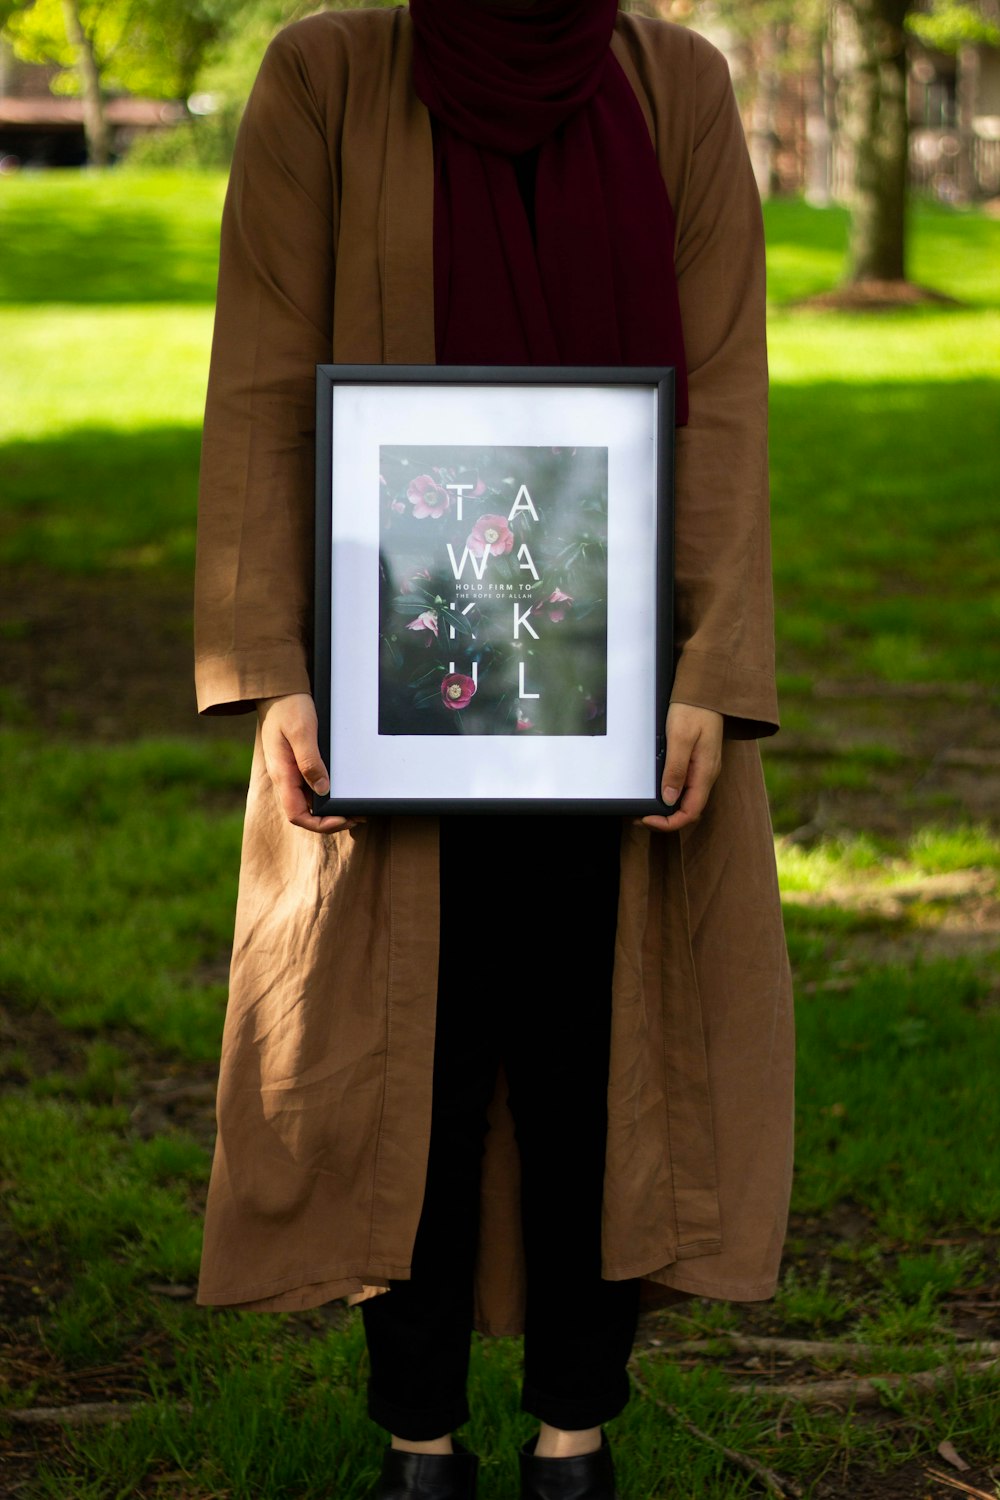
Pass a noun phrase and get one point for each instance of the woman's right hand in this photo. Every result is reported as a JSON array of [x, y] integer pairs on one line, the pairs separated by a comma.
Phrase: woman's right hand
[[288, 731]]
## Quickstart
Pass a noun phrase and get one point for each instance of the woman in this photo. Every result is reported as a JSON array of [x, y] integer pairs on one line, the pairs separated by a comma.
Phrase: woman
[[490, 182]]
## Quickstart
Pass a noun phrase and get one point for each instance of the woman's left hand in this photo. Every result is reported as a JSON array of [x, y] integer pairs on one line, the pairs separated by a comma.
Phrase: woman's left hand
[[694, 759]]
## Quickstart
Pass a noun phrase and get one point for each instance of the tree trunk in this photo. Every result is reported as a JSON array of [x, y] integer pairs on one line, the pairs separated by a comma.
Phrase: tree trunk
[[764, 141], [877, 126], [819, 136], [95, 124], [967, 80]]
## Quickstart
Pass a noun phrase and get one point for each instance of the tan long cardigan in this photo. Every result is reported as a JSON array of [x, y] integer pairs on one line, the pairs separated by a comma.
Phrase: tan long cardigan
[[324, 1092]]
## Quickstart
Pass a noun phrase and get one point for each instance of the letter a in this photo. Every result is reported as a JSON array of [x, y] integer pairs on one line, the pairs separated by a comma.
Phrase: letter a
[[522, 551], [527, 504]]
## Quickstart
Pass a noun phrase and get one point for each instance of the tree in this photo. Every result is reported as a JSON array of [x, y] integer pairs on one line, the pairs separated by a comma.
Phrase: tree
[[877, 119], [152, 47], [95, 123], [870, 40], [7, 9], [232, 67], [876, 124], [767, 41]]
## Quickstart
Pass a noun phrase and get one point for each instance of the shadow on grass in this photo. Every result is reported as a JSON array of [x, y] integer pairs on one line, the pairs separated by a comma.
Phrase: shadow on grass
[[882, 499], [79, 242], [96, 497], [883, 496]]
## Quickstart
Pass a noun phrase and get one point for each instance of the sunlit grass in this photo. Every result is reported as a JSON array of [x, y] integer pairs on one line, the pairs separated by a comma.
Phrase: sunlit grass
[[120, 866], [865, 863], [105, 238], [884, 350], [883, 426], [67, 369], [950, 250]]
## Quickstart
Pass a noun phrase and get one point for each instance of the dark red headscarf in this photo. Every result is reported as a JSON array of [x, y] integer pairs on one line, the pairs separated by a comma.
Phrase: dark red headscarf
[[537, 91]]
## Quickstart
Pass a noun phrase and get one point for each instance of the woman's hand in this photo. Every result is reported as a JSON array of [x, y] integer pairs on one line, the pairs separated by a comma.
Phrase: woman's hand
[[694, 759], [288, 731]]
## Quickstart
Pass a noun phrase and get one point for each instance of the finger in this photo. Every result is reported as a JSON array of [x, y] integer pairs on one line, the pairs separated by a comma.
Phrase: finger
[[332, 823], [287, 782], [296, 805], [671, 824], [283, 770], [305, 748], [675, 772], [699, 784], [700, 777], [695, 797]]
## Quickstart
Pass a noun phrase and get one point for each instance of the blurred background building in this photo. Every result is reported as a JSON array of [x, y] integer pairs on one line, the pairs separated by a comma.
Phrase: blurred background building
[[796, 70]]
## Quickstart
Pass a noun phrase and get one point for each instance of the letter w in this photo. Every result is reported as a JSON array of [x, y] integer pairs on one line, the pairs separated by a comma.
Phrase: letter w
[[459, 568]]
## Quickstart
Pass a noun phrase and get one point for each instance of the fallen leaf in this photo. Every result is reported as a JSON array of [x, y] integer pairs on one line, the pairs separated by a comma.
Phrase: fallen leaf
[[948, 1452]]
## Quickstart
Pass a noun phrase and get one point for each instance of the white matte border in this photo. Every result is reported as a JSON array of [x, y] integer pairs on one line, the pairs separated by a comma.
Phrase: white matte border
[[617, 765]]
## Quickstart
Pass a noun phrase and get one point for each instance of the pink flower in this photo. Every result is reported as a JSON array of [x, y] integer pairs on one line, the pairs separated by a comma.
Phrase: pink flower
[[457, 690], [492, 534], [406, 587], [478, 488], [427, 497], [426, 620], [554, 606], [523, 722], [397, 505]]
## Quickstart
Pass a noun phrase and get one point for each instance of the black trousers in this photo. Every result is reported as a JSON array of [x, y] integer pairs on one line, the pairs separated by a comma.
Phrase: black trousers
[[528, 909]]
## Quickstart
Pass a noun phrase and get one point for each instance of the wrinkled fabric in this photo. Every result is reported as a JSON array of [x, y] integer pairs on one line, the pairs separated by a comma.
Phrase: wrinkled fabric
[[581, 274], [324, 1094]]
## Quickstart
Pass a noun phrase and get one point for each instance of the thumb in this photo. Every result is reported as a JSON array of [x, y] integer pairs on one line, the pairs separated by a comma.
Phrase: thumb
[[675, 772], [305, 748]]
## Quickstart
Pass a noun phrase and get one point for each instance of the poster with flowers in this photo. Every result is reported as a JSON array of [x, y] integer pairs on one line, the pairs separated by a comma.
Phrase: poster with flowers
[[493, 582]]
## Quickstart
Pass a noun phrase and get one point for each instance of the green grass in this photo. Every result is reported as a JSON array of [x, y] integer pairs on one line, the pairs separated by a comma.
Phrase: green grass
[[883, 428], [120, 861], [107, 238], [875, 865], [891, 1070], [102, 921], [902, 1040], [950, 250], [883, 445]]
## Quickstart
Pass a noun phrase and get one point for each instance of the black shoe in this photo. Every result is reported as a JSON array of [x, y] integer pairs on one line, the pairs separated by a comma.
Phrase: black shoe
[[589, 1476], [427, 1476]]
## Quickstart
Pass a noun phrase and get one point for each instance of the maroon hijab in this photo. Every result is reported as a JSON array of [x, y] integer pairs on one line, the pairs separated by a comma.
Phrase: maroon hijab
[[553, 231]]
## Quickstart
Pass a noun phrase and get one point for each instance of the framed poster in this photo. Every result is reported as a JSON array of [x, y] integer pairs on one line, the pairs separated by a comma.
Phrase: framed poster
[[494, 600]]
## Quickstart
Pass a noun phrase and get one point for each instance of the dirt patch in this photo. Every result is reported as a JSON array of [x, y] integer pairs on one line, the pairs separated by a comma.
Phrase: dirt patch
[[109, 658], [162, 1093], [910, 1480], [873, 295]]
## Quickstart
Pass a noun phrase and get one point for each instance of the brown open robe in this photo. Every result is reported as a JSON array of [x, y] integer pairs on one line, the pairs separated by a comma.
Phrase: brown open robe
[[324, 1094]]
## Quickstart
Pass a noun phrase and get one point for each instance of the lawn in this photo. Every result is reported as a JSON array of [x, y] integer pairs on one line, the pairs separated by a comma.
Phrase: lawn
[[117, 799]]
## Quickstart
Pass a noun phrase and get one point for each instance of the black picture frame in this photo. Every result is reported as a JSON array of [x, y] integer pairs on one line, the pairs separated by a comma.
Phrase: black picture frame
[[600, 738]]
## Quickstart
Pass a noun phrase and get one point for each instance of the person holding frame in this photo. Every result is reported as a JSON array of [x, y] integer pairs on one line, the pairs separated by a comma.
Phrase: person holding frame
[[519, 1075]]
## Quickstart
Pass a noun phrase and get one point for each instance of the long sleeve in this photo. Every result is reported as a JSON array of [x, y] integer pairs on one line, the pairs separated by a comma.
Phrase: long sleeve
[[273, 320], [724, 617]]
